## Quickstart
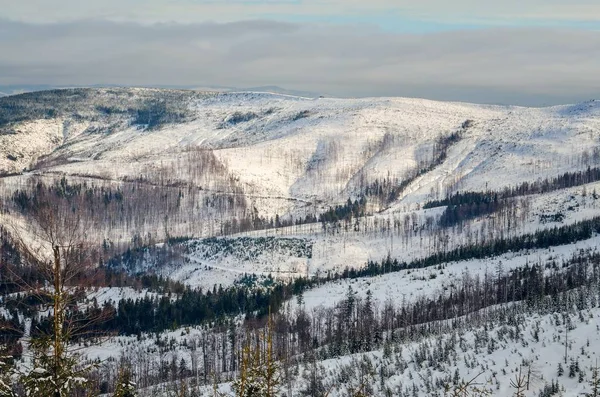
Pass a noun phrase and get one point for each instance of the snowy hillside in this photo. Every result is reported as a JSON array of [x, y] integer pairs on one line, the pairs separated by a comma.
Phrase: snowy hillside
[[296, 151], [492, 356], [401, 244], [251, 154]]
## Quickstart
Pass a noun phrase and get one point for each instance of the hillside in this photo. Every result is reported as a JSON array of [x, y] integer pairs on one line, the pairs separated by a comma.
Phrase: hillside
[[394, 241], [248, 156], [292, 149]]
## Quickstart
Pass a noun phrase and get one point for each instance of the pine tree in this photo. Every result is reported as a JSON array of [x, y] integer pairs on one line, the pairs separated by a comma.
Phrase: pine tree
[[456, 378], [6, 371], [572, 369], [56, 370], [125, 386], [561, 370], [249, 382], [519, 384], [315, 383], [368, 320], [387, 349], [52, 375], [272, 372], [594, 383], [259, 374], [470, 388]]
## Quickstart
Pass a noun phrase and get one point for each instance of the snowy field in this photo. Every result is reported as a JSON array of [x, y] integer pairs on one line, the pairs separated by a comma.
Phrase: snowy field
[[373, 242]]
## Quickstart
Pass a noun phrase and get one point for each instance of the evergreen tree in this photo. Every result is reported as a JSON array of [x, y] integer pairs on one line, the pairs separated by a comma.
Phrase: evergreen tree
[[464, 388], [259, 374], [561, 370], [572, 369], [594, 383], [456, 378], [315, 385], [52, 375], [125, 386], [6, 371], [56, 370], [519, 384]]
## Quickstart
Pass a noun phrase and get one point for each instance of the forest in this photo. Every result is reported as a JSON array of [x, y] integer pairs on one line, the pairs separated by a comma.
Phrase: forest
[[186, 274]]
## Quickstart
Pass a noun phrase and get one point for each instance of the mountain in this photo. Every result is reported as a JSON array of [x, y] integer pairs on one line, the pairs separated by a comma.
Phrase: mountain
[[373, 135], [291, 157], [398, 241], [279, 90]]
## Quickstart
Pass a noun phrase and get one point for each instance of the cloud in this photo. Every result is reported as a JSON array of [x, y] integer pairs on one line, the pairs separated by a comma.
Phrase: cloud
[[519, 65], [193, 11]]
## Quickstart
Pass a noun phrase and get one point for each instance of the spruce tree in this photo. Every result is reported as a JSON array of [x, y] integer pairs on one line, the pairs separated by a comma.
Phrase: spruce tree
[[52, 375], [6, 371], [594, 383], [125, 386], [56, 369], [259, 375], [561, 370]]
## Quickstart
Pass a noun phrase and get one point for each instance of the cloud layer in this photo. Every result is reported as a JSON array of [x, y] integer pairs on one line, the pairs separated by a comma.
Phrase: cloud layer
[[532, 66], [194, 11]]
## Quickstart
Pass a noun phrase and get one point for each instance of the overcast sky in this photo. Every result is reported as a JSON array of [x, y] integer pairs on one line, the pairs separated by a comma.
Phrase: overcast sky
[[530, 52]]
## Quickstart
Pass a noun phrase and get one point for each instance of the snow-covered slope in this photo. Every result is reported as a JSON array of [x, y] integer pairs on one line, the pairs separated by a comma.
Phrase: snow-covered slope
[[285, 157], [292, 156], [304, 150], [487, 350]]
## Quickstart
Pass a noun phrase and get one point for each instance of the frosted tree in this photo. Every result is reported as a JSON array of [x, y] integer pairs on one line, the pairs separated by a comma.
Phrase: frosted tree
[[125, 386], [594, 383], [6, 373], [62, 261], [467, 388], [519, 383], [259, 375], [52, 375]]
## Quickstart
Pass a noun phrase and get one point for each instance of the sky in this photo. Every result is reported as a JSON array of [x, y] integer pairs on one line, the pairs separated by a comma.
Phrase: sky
[[524, 52]]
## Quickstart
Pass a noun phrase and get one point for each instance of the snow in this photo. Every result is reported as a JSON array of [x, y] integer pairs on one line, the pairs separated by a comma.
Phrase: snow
[[113, 295], [544, 355], [293, 156], [337, 250], [497, 365], [296, 156], [408, 285], [325, 155]]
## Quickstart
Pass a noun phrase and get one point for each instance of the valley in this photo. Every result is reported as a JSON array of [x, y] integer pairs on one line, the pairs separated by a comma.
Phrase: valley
[[402, 244]]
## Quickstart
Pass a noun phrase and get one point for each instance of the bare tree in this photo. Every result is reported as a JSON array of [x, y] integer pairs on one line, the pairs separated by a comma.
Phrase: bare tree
[[519, 383], [54, 248], [594, 382], [468, 388]]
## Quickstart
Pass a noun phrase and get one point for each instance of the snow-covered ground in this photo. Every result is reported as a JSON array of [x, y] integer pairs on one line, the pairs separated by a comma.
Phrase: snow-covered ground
[[292, 157], [373, 241], [406, 285], [493, 356], [325, 149], [496, 366], [113, 295]]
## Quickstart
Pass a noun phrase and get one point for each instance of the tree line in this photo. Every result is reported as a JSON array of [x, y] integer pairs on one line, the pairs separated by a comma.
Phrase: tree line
[[356, 325], [564, 181], [388, 190]]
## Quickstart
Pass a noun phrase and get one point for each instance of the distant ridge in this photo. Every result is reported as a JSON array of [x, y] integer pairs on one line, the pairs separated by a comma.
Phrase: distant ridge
[[20, 89], [278, 90]]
